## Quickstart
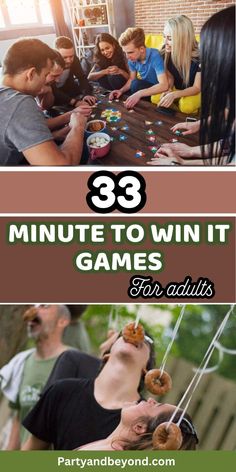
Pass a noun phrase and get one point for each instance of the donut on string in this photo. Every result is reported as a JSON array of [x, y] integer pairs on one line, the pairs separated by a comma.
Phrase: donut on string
[[158, 382], [30, 314], [133, 334], [167, 436]]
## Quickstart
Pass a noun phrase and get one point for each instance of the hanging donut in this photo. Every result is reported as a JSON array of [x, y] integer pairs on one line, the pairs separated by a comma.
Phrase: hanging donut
[[30, 314], [158, 383], [167, 437], [133, 335]]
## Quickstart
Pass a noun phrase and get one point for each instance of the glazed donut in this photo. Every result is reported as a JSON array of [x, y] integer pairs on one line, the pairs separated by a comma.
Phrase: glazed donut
[[30, 314], [167, 437], [157, 383], [133, 335]]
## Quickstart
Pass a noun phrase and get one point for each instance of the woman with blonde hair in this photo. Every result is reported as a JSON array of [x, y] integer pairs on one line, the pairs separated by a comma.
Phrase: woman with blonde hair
[[181, 57]]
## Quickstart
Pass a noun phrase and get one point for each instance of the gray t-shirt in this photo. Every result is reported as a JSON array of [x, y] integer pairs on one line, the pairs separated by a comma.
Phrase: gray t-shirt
[[22, 126]]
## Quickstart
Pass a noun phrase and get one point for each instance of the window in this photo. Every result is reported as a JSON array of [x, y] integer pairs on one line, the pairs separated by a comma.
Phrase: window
[[15, 14]]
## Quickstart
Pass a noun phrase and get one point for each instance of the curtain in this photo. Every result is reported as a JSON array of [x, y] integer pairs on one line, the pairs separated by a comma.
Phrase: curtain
[[61, 18]]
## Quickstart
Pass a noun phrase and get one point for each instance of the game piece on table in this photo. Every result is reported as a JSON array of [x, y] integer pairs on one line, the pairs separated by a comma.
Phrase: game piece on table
[[150, 132], [178, 132], [109, 101], [152, 139], [112, 139], [124, 128], [123, 137], [173, 140], [153, 149], [148, 123], [93, 116], [114, 128], [139, 154], [116, 100], [131, 111], [99, 102], [159, 123]]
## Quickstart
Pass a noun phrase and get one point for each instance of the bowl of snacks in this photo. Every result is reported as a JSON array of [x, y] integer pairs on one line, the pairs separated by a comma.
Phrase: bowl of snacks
[[99, 145], [95, 126]]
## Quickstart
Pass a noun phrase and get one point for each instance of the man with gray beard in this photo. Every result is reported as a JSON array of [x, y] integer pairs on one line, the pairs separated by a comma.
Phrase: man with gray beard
[[45, 325]]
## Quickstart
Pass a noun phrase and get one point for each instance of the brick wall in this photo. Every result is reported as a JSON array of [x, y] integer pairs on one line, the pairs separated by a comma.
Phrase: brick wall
[[152, 14]]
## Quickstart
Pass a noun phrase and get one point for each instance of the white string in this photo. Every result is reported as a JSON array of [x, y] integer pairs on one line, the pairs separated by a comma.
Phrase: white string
[[225, 350], [200, 371], [137, 319], [162, 367], [110, 319]]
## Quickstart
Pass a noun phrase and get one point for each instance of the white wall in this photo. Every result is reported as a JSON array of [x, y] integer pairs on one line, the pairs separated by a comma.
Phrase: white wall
[[4, 45]]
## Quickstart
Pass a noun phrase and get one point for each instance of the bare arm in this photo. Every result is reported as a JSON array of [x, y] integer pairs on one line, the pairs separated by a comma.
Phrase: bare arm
[[162, 86], [158, 88], [125, 88], [48, 154], [14, 439], [96, 75], [59, 121], [189, 91], [34, 444], [169, 97]]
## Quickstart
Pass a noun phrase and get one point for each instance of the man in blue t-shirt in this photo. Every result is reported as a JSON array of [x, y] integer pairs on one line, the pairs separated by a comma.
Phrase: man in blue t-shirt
[[147, 74]]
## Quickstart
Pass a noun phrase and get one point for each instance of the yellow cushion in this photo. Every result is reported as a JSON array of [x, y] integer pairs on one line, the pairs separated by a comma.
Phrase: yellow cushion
[[156, 40]]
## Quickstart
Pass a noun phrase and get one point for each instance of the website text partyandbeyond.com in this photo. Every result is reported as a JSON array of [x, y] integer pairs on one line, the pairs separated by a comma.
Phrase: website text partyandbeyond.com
[[114, 462]]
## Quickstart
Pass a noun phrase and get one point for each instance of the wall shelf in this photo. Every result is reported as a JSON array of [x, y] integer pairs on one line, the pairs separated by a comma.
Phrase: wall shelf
[[86, 18]]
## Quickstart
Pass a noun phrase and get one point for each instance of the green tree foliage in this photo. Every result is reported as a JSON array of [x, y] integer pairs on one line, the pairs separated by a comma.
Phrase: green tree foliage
[[199, 324]]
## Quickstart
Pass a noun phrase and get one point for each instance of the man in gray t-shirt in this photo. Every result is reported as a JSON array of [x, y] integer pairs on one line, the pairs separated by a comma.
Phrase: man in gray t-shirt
[[22, 126], [24, 132]]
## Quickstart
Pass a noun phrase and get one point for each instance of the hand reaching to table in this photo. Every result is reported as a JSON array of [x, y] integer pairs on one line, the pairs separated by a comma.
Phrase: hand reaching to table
[[190, 128], [133, 100], [115, 94], [83, 109]]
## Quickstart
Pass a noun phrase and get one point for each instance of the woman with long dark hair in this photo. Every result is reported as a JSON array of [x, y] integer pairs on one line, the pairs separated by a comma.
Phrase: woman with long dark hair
[[137, 425], [217, 123], [110, 68]]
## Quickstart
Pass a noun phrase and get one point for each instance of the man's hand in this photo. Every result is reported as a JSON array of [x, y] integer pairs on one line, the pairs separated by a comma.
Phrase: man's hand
[[167, 100], [190, 128], [90, 100], [83, 109], [77, 120], [133, 100], [115, 94]]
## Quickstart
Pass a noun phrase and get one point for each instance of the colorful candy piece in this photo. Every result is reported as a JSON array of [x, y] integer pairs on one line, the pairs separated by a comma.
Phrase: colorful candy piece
[[148, 123], [178, 133], [93, 116], [153, 149], [150, 132], [131, 111], [159, 123], [139, 154], [173, 140], [152, 139], [125, 128], [114, 128], [123, 137]]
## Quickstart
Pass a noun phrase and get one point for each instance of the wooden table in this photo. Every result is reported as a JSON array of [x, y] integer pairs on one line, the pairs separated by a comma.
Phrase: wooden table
[[124, 153]]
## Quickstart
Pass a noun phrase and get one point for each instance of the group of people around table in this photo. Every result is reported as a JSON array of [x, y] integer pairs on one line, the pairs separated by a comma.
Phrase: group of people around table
[[37, 78]]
